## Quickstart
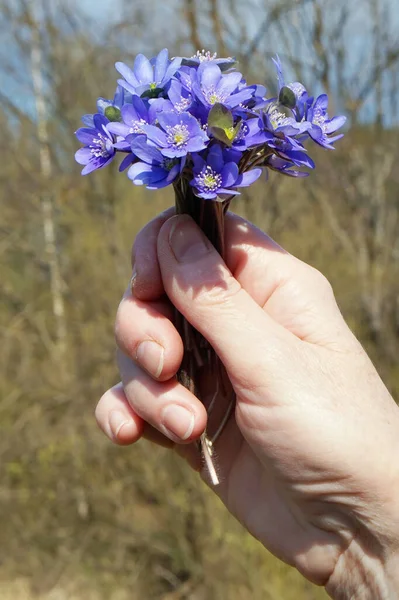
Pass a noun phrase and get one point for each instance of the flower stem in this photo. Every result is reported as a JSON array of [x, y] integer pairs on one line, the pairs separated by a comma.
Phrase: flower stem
[[201, 371]]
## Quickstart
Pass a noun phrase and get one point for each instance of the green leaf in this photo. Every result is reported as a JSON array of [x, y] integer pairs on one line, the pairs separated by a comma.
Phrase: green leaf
[[220, 117], [287, 97], [113, 114]]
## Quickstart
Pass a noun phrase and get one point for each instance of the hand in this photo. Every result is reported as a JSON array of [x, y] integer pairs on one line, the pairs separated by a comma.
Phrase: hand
[[309, 460]]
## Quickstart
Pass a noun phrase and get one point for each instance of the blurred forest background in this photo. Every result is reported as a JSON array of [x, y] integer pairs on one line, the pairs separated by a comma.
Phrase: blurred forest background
[[80, 518]]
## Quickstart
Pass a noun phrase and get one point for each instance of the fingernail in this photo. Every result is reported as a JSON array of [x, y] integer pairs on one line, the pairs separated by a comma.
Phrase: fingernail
[[133, 279], [178, 422], [150, 355], [187, 241], [117, 421]]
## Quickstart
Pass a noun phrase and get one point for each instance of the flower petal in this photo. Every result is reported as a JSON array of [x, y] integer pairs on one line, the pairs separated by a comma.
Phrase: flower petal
[[118, 129], [142, 149], [215, 158], [228, 83], [143, 69], [156, 135], [83, 156], [171, 70], [229, 175], [86, 135], [127, 161], [209, 74], [248, 177], [127, 74], [161, 64]]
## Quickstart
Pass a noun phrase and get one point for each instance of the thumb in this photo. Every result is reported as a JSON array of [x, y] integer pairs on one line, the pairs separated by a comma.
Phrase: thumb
[[202, 288]]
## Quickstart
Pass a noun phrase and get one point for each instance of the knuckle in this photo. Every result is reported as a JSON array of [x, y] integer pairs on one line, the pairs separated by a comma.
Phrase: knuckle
[[218, 292]]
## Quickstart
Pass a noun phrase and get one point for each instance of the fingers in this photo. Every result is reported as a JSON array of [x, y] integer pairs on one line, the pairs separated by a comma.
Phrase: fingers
[[167, 406], [117, 419], [130, 427], [203, 289], [144, 331], [146, 277]]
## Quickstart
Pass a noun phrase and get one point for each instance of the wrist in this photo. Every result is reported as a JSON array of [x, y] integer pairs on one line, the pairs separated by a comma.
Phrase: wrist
[[362, 573]]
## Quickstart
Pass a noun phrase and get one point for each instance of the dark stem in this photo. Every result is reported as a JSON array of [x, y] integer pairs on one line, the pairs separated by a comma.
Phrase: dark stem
[[201, 370]]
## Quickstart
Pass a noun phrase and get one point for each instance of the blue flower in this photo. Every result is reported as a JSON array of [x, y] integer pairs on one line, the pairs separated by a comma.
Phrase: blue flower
[[210, 86], [177, 134], [219, 174], [150, 76], [153, 169], [180, 97], [205, 56], [249, 135], [121, 97], [275, 163], [321, 125], [99, 148], [134, 117]]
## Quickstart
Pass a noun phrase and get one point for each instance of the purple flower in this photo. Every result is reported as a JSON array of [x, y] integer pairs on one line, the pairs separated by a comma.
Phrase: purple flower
[[153, 169], [148, 75], [279, 119], [134, 117], [321, 125], [210, 86], [219, 173], [180, 97], [99, 149], [275, 163], [249, 135], [177, 134], [121, 97], [205, 56]]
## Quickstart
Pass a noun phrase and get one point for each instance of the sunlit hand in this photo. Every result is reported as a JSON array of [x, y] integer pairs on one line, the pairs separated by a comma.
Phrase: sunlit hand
[[309, 462]]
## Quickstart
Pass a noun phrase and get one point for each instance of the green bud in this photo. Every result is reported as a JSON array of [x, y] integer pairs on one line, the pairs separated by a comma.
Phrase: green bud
[[113, 114], [287, 97]]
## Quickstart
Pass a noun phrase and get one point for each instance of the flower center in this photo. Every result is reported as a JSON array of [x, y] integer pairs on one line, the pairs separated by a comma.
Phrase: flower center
[[203, 55], [212, 96], [208, 180], [183, 105], [243, 131], [99, 147], [276, 117], [320, 118], [137, 126], [178, 135], [153, 86]]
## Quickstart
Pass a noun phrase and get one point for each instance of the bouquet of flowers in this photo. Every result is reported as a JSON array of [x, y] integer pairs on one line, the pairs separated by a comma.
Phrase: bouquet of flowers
[[194, 123]]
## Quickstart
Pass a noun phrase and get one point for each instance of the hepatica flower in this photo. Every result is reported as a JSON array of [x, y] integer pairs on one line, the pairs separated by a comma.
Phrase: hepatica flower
[[99, 149], [218, 174], [148, 77], [152, 169], [195, 121], [176, 135]]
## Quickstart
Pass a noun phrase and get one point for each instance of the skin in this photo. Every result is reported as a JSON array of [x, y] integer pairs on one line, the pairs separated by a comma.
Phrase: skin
[[306, 462]]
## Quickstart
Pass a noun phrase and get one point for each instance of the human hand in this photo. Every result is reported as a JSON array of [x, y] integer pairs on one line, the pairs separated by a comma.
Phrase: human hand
[[308, 460]]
